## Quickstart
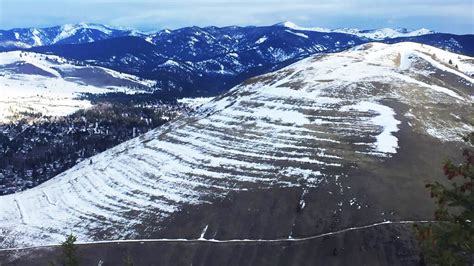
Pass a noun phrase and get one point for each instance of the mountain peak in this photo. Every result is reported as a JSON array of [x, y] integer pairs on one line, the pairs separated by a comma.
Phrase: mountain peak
[[287, 24], [294, 26], [85, 25]]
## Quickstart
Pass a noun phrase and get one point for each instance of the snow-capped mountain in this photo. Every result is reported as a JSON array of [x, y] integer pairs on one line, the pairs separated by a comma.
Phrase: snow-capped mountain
[[68, 33], [375, 34], [203, 61], [49, 84], [200, 62], [196, 61], [334, 141], [90, 32]]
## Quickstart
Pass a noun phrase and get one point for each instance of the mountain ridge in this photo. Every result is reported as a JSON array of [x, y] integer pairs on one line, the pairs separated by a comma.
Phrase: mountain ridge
[[195, 61], [325, 123], [67, 33], [89, 32], [373, 34]]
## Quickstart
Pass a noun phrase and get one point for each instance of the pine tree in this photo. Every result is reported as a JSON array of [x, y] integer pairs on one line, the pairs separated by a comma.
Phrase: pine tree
[[450, 241], [69, 251]]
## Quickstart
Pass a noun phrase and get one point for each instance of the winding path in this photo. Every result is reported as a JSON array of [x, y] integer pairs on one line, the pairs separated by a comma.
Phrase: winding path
[[201, 239]]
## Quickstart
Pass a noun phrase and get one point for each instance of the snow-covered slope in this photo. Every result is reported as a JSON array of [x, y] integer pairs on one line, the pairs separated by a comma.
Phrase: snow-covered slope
[[68, 30], [67, 33], [385, 33], [376, 34], [48, 84], [301, 126]]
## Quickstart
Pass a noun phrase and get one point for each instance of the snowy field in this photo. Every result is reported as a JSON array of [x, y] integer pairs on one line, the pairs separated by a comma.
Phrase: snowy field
[[37, 94], [50, 85]]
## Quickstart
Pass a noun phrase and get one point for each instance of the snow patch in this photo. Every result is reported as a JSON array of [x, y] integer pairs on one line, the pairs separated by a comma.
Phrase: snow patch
[[298, 34], [385, 118], [203, 233], [195, 102], [170, 62], [36, 38], [405, 60], [284, 116], [261, 40]]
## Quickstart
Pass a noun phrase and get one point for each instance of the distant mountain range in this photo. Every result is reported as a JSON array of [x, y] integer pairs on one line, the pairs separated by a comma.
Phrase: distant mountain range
[[66, 34], [201, 61], [377, 34], [90, 32]]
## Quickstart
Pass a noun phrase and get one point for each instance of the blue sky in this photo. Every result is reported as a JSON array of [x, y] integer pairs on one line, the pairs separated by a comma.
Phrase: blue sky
[[455, 16]]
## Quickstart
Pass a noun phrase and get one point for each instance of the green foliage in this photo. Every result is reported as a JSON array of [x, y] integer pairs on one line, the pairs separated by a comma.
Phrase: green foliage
[[450, 241], [69, 251]]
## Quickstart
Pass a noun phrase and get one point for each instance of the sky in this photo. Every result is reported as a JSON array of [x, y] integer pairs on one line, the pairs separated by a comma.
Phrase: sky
[[453, 16]]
